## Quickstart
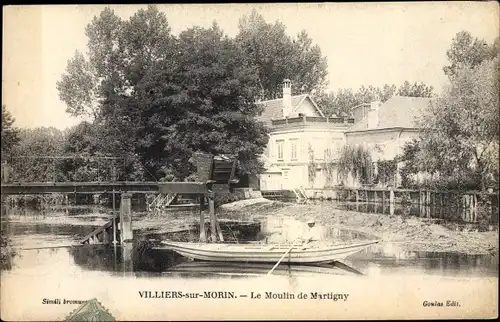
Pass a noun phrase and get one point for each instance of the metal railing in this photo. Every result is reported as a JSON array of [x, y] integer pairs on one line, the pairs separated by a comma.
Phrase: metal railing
[[312, 119]]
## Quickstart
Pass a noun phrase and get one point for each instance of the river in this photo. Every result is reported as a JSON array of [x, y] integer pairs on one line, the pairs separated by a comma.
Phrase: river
[[51, 265], [34, 232]]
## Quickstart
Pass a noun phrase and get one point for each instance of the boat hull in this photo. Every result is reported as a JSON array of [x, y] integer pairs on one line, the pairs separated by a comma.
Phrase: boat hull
[[264, 254]]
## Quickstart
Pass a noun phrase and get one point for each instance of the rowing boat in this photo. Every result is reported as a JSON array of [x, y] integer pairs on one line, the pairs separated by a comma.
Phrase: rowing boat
[[257, 253]]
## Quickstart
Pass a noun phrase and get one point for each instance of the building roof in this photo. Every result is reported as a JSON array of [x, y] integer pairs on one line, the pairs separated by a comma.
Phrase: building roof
[[396, 112], [272, 109]]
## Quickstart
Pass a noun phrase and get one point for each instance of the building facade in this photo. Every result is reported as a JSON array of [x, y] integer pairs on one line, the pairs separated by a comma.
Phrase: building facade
[[300, 142], [304, 144], [384, 128]]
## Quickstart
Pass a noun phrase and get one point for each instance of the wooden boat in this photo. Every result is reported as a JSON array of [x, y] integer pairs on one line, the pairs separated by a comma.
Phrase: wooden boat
[[257, 253]]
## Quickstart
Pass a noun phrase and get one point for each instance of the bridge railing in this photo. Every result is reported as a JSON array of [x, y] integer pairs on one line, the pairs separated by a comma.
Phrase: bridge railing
[[67, 169]]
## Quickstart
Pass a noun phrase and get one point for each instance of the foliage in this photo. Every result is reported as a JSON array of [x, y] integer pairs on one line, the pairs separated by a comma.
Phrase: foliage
[[311, 166], [410, 166], [341, 102], [276, 57], [157, 98], [357, 161], [459, 139], [468, 52], [25, 158], [8, 252], [10, 134], [330, 167], [461, 131], [415, 90], [386, 171]]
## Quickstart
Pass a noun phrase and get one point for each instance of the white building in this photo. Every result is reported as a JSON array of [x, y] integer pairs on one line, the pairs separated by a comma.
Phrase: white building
[[302, 136], [299, 131]]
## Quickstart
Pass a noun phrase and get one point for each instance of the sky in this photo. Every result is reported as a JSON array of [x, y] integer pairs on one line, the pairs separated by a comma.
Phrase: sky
[[365, 43]]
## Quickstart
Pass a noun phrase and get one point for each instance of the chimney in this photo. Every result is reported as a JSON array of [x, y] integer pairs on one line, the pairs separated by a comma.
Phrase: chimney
[[373, 114], [287, 98]]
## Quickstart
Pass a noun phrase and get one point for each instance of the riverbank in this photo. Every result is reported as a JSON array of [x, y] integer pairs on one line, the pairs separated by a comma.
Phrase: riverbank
[[411, 233]]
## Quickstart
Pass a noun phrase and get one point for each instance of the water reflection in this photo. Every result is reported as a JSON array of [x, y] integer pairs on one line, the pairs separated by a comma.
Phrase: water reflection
[[450, 213], [290, 229]]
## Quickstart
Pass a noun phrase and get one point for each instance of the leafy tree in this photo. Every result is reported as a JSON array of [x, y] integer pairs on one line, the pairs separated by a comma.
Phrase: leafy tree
[[10, 134], [415, 90], [342, 101], [32, 158], [214, 108], [78, 88], [161, 98], [356, 161], [467, 51], [386, 92], [410, 165], [461, 130], [85, 81], [276, 56]]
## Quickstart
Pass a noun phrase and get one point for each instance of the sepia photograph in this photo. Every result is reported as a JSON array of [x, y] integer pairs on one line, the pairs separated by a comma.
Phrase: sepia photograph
[[274, 161]]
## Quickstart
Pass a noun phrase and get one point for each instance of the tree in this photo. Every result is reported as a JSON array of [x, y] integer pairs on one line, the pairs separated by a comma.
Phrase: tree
[[342, 101], [32, 158], [356, 161], [84, 82], [10, 134], [276, 56], [461, 131], [162, 98], [214, 108], [409, 161], [468, 52], [415, 90]]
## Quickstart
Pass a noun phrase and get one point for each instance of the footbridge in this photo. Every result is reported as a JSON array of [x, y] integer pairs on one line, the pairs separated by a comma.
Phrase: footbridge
[[216, 175]]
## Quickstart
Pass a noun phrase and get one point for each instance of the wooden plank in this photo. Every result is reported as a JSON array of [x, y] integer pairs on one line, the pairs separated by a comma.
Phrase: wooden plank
[[98, 230]]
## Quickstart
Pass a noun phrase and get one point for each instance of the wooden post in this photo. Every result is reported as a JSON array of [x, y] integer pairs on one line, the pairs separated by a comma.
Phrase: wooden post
[[127, 259], [472, 207], [105, 237], [203, 236], [391, 201], [211, 209], [357, 195], [126, 218], [464, 206], [114, 218], [219, 231]]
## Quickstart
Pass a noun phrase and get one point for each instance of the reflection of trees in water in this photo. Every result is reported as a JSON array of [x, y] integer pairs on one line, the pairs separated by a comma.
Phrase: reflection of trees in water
[[7, 254], [144, 258], [51, 229], [96, 257], [109, 258], [391, 256], [453, 261]]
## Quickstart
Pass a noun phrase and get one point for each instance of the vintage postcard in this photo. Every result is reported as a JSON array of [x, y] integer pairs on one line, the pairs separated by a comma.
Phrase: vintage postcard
[[250, 161]]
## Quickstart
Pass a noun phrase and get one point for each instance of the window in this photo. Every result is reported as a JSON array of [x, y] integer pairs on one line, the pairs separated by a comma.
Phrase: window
[[293, 147], [280, 144]]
